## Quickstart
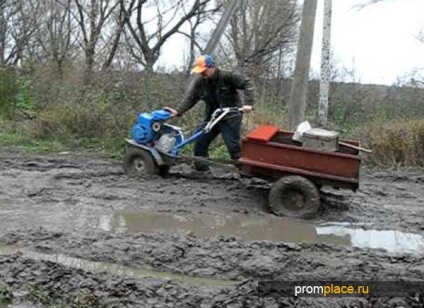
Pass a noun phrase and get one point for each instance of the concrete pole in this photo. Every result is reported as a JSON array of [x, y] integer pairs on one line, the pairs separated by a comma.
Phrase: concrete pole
[[231, 8], [297, 103], [325, 77]]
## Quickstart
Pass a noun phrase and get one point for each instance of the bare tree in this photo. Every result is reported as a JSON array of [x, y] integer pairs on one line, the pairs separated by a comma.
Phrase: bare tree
[[56, 36], [144, 40], [7, 11], [260, 30], [113, 43], [420, 36], [18, 24], [196, 39], [368, 3], [193, 37], [92, 16]]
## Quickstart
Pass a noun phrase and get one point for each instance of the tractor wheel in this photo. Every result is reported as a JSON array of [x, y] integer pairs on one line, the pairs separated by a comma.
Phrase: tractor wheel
[[294, 196], [139, 162]]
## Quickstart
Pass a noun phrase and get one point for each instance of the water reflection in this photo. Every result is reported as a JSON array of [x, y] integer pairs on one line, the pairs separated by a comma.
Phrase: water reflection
[[267, 227], [393, 241], [247, 227]]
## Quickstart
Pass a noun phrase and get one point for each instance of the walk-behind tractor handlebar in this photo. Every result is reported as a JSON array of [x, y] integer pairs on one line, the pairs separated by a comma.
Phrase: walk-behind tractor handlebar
[[155, 145], [218, 115]]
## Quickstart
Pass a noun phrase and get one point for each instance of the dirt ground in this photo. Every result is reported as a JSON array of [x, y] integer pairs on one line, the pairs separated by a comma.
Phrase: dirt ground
[[76, 232]]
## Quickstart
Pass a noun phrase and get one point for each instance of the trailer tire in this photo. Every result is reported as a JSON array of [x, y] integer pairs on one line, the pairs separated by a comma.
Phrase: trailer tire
[[139, 162], [294, 196]]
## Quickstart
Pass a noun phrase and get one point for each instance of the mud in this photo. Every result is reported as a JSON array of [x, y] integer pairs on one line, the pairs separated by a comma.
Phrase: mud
[[173, 231]]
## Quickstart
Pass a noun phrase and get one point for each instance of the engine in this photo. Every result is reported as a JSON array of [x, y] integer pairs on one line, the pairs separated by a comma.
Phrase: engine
[[148, 125], [151, 130]]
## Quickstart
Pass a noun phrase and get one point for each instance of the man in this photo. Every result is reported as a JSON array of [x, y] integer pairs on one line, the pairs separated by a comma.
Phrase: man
[[218, 88]]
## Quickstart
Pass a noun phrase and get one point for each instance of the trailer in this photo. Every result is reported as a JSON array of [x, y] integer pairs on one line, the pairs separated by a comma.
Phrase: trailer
[[298, 172]]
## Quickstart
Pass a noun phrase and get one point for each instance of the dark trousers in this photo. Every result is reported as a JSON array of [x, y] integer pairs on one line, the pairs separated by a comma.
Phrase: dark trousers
[[230, 130]]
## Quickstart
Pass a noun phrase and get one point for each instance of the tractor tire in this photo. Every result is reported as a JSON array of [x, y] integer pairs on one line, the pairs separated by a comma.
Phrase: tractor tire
[[139, 162], [294, 196]]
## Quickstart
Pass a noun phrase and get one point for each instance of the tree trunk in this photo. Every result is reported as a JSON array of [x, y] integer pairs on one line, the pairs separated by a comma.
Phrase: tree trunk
[[3, 27], [89, 65]]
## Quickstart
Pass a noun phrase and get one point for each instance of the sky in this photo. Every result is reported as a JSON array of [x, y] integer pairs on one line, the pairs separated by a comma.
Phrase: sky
[[377, 43]]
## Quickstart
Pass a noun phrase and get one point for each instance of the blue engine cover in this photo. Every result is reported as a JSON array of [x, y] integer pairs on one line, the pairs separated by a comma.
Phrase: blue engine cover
[[142, 131]]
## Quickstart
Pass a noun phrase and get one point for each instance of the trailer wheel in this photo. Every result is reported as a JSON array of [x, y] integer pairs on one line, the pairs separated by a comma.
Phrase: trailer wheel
[[139, 162], [294, 196]]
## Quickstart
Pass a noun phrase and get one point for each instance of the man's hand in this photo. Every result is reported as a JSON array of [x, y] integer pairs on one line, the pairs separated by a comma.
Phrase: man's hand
[[247, 108], [173, 112]]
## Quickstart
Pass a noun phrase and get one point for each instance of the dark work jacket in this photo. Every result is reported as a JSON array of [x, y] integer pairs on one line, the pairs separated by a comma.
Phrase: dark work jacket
[[218, 91]]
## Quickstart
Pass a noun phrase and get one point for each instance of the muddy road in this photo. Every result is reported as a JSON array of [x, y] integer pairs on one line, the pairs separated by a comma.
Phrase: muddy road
[[76, 232]]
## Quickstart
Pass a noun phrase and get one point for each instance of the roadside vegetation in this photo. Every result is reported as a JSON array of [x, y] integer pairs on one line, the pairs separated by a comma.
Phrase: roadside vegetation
[[6, 295], [75, 74], [43, 113]]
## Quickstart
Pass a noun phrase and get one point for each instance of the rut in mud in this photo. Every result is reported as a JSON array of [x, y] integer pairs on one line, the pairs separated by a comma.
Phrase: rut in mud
[[75, 207]]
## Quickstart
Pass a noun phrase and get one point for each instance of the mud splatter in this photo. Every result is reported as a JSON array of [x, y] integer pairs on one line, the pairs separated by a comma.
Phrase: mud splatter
[[81, 207]]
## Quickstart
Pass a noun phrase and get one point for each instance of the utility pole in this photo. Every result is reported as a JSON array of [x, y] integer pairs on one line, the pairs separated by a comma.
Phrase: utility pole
[[324, 86], [231, 8], [297, 103]]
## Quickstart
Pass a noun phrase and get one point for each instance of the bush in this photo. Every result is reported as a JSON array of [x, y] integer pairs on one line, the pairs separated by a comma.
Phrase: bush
[[399, 143]]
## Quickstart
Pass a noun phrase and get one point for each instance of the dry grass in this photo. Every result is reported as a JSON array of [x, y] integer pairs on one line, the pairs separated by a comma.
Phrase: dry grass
[[399, 143]]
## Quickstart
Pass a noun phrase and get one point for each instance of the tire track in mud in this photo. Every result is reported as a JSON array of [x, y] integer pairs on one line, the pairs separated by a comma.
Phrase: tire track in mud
[[224, 257], [92, 187], [388, 200], [53, 284], [64, 196], [257, 260], [385, 200]]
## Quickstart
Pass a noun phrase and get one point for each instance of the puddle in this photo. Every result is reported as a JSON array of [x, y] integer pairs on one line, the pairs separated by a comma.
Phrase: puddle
[[114, 268], [272, 228], [392, 241]]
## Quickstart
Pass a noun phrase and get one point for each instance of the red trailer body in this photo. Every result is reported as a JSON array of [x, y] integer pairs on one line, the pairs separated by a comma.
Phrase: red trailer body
[[270, 152]]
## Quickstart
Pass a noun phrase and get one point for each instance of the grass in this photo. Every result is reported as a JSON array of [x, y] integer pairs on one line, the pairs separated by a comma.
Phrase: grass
[[28, 144], [6, 294], [19, 135], [38, 295], [397, 143], [48, 297]]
